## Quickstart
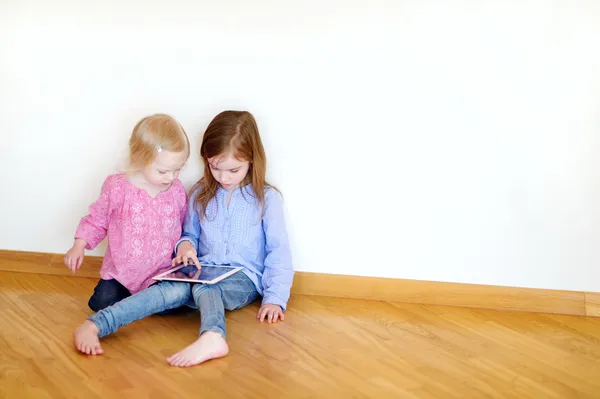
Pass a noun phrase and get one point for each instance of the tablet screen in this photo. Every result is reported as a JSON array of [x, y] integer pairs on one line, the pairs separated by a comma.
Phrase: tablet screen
[[207, 273]]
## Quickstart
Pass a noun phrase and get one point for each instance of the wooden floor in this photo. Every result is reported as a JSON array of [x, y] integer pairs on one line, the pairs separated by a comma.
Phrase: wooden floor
[[326, 348]]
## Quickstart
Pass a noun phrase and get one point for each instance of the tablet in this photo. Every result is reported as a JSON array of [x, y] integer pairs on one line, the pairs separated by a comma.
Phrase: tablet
[[191, 274]]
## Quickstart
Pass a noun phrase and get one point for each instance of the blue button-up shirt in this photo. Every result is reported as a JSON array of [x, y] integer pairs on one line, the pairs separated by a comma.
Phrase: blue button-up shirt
[[242, 235]]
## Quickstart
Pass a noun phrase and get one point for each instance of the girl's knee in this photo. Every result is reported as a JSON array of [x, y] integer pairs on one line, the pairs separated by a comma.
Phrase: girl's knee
[[173, 291], [197, 288], [239, 300], [202, 289], [101, 301]]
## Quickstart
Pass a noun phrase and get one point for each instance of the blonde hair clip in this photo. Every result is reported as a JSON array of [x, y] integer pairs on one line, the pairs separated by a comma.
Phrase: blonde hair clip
[[153, 135]]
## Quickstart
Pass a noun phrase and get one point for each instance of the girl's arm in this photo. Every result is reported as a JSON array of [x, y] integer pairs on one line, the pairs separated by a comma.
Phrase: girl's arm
[[279, 273], [93, 227]]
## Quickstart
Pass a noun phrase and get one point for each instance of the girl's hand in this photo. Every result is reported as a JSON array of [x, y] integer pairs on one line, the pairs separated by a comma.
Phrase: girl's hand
[[186, 254], [270, 312], [74, 257]]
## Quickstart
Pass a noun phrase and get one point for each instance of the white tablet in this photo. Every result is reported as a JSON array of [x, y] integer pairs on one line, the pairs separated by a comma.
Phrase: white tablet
[[191, 274]]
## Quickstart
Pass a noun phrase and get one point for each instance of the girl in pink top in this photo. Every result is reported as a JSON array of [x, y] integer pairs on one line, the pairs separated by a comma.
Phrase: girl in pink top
[[140, 211]]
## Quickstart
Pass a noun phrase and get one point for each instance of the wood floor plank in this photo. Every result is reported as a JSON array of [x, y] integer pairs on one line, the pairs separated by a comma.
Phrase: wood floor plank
[[327, 347]]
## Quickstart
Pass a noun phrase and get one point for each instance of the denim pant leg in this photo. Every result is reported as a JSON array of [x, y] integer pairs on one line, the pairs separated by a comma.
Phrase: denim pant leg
[[107, 293], [234, 292], [154, 299]]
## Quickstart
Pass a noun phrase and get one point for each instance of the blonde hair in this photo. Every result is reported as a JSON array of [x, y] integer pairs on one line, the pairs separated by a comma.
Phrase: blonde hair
[[236, 133], [154, 134]]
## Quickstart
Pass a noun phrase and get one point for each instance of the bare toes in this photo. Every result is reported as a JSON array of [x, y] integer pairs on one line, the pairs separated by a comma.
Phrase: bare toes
[[184, 362], [173, 359]]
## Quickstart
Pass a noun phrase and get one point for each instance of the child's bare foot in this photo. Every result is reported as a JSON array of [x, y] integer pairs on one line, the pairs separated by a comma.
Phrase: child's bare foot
[[210, 345], [86, 340]]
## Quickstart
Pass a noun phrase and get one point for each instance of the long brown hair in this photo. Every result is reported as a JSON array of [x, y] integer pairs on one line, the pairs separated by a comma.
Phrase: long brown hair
[[235, 133]]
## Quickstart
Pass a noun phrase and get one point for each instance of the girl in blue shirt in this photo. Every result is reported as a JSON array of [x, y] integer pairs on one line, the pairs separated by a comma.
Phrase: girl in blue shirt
[[235, 218]]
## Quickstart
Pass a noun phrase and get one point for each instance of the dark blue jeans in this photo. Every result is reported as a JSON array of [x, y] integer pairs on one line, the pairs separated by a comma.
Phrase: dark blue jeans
[[107, 293]]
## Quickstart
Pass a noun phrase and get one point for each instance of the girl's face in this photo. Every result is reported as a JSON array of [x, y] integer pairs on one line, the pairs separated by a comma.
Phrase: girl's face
[[164, 169], [228, 170]]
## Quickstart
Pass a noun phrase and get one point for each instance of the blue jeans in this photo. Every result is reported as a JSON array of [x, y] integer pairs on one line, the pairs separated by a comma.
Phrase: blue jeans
[[109, 292], [232, 293]]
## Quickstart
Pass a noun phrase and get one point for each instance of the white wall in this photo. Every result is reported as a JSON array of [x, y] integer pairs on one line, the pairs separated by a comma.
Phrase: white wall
[[438, 140]]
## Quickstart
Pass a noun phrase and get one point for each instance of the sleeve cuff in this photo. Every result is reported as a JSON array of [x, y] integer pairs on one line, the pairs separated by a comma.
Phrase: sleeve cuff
[[182, 240], [89, 244], [272, 299]]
